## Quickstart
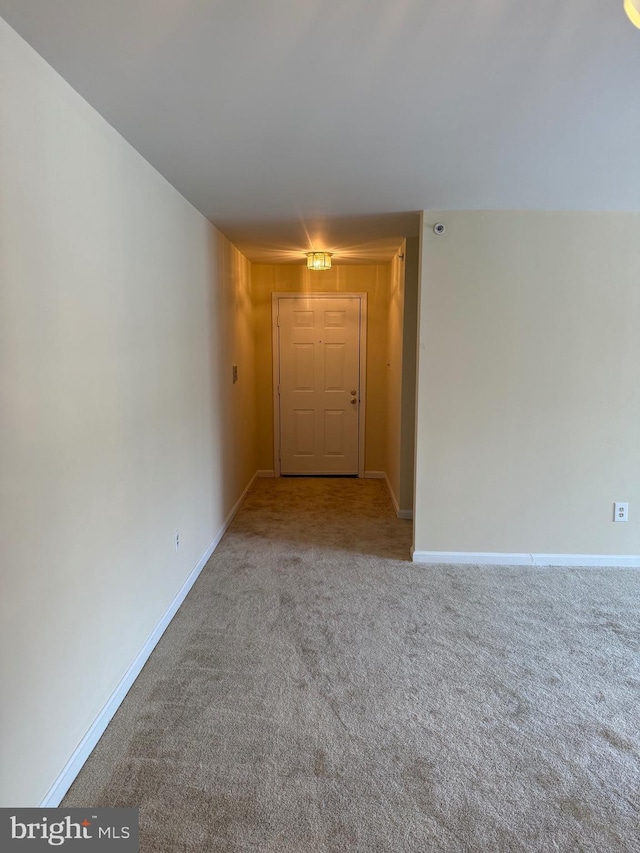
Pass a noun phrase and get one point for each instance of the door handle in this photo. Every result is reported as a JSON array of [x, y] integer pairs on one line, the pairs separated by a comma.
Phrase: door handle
[[354, 401], [353, 393]]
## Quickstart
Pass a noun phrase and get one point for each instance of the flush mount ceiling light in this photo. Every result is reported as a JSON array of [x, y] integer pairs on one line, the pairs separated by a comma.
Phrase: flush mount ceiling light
[[318, 260], [632, 8]]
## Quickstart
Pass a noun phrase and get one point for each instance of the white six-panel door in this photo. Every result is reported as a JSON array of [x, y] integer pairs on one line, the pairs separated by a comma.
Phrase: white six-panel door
[[318, 374]]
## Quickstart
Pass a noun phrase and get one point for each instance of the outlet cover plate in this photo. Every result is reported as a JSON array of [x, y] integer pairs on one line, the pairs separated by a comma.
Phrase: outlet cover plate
[[621, 511]]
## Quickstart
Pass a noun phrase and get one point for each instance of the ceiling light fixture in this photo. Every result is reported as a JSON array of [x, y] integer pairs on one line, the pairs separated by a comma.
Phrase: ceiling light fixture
[[318, 260], [632, 8]]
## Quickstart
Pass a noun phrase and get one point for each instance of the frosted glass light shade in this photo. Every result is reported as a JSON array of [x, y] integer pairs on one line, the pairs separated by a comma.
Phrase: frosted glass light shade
[[318, 260], [632, 8]]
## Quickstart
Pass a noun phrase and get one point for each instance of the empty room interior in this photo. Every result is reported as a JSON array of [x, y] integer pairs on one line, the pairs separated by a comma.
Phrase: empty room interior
[[319, 419]]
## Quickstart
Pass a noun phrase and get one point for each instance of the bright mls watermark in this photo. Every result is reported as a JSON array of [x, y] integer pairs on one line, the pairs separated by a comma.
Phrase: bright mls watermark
[[103, 830]]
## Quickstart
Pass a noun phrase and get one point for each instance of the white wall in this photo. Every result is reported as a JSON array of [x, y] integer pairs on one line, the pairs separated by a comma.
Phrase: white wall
[[529, 383], [121, 313]]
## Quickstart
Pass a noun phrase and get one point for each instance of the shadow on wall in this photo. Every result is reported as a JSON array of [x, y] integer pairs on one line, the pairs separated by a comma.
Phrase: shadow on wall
[[232, 365]]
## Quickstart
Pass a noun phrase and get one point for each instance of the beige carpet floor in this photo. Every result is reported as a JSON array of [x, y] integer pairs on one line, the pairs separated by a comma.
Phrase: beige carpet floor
[[319, 692]]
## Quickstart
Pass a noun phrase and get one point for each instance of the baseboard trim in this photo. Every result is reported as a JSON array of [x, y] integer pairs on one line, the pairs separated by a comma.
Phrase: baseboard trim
[[484, 558], [233, 511], [394, 500], [382, 475], [266, 473], [84, 749]]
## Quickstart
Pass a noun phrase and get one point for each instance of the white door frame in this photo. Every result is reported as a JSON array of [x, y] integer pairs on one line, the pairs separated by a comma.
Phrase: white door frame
[[275, 362]]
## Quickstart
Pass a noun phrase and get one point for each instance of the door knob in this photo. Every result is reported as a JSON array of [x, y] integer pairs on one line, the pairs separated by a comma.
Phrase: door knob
[[353, 393], [354, 401]]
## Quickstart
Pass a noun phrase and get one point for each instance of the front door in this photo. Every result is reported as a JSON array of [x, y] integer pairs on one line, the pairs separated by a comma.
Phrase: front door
[[319, 383]]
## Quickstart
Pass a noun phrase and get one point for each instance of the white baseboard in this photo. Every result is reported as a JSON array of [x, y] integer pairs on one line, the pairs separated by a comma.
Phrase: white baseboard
[[394, 500], [382, 475], [234, 509], [266, 473], [73, 766], [484, 558]]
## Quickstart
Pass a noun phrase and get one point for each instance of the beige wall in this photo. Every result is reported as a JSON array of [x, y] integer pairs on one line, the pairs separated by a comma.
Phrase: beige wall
[[402, 332], [372, 279], [121, 313], [409, 366], [529, 383], [395, 314]]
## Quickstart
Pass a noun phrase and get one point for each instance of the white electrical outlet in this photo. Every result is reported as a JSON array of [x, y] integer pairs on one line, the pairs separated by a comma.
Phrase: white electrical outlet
[[177, 540], [621, 512]]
